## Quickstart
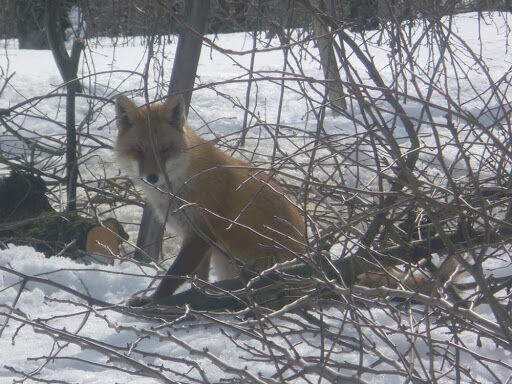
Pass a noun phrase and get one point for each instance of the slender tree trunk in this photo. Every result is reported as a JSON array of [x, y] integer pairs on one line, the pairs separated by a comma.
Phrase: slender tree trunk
[[334, 85], [68, 68], [182, 81], [189, 49], [245, 127]]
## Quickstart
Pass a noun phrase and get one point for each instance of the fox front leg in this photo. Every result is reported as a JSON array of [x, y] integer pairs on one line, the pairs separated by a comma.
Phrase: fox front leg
[[192, 253]]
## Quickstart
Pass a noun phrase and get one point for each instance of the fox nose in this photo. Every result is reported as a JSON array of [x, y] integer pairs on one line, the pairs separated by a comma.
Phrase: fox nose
[[152, 178]]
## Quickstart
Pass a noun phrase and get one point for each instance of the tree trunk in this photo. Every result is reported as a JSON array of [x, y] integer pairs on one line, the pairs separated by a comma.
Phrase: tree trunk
[[182, 81], [68, 68], [334, 85], [245, 127], [189, 49], [149, 241]]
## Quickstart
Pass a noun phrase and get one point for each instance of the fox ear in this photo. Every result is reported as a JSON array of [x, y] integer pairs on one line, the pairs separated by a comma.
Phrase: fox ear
[[125, 113], [174, 109]]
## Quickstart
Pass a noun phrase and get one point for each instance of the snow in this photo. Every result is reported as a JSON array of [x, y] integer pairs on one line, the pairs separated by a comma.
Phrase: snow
[[94, 344], [105, 332]]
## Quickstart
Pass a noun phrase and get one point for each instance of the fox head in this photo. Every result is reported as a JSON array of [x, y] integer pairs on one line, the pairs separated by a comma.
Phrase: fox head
[[151, 139]]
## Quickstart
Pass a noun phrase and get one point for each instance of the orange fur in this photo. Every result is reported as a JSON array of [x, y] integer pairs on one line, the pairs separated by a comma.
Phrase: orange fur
[[213, 199]]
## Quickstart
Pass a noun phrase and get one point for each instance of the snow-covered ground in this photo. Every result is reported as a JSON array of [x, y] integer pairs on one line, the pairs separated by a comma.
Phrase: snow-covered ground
[[49, 334]]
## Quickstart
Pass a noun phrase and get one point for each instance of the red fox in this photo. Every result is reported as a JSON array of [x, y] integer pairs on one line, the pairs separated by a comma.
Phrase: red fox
[[212, 199]]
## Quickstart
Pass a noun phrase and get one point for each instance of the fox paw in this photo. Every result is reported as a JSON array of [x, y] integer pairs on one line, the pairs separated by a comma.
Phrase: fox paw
[[138, 301]]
